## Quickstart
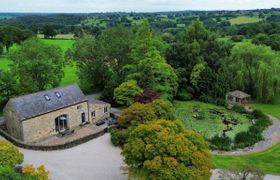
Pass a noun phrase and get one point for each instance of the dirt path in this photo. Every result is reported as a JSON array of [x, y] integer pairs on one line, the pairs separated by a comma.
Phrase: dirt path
[[271, 138]]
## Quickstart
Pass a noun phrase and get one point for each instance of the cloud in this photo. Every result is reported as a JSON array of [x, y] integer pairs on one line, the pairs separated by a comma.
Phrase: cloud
[[131, 5]]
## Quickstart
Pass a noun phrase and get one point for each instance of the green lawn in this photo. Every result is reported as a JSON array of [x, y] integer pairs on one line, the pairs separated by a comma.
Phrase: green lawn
[[272, 109], [70, 75], [268, 161], [211, 124], [244, 20]]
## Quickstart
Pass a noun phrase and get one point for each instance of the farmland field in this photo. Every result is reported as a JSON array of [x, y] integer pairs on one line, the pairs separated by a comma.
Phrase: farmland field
[[70, 75], [268, 161], [210, 123], [244, 20]]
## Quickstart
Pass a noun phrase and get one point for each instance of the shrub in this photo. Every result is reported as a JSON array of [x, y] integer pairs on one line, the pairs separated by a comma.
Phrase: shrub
[[163, 109], [40, 173], [239, 109], [147, 96], [184, 96], [9, 154], [119, 136], [125, 93], [220, 143], [7, 173], [246, 139], [136, 113], [208, 99], [258, 114]]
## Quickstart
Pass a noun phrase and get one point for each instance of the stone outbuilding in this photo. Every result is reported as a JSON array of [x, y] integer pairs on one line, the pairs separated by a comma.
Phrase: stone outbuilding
[[238, 97], [43, 114]]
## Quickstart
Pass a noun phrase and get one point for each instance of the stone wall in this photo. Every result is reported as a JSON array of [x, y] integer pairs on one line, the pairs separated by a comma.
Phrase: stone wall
[[99, 112], [13, 122], [44, 125]]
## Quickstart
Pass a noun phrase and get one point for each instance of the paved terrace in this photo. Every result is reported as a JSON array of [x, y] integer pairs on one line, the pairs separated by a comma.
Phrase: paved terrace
[[79, 133]]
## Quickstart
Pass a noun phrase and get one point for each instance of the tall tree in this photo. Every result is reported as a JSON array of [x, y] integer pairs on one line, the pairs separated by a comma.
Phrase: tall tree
[[8, 87], [162, 149], [38, 65], [256, 70], [148, 66], [49, 31]]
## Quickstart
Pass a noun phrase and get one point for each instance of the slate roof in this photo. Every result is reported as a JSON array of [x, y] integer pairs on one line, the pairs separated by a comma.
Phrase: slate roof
[[95, 101], [35, 104], [239, 94]]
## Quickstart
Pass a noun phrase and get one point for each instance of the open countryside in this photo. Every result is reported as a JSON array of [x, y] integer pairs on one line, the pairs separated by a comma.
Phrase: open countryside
[[145, 95]]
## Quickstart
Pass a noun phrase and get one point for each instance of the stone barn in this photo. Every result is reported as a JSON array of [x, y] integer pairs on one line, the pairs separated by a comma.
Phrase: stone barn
[[35, 116]]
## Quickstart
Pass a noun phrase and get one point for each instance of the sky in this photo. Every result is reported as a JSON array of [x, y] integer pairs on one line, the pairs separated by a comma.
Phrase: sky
[[80, 6]]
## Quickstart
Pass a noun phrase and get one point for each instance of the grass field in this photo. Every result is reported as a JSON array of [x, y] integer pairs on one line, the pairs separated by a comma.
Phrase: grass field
[[244, 20], [210, 124], [272, 109], [70, 71], [268, 161]]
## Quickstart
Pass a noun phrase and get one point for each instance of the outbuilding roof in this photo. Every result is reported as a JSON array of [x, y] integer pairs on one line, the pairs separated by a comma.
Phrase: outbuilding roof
[[239, 94], [39, 103]]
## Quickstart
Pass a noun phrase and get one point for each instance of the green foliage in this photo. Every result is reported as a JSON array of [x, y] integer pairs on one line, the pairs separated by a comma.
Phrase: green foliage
[[164, 150], [119, 136], [49, 31], [136, 114], [125, 93], [196, 74], [7, 173], [163, 109], [254, 134], [269, 40], [149, 67], [255, 70], [38, 66], [220, 143], [239, 109], [8, 87], [9, 155]]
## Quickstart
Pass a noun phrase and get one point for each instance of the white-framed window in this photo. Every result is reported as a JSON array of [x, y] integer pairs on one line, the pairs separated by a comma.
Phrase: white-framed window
[[93, 114], [47, 97], [105, 109]]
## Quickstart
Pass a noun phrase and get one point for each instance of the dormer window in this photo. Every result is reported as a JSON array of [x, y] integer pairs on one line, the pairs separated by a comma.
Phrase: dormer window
[[58, 94], [47, 97]]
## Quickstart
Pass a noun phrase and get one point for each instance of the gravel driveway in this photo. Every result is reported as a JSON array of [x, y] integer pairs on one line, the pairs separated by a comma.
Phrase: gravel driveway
[[97, 159]]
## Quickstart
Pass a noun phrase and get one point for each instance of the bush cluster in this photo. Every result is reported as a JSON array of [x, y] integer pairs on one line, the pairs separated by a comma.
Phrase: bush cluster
[[243, 139], [239, 109], [220, 143], [211, 100], [254, 134], [119, 136], [9, 155]]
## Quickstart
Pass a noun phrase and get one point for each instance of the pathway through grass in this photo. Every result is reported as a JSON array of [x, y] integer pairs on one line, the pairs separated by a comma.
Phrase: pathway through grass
[[268, 161]]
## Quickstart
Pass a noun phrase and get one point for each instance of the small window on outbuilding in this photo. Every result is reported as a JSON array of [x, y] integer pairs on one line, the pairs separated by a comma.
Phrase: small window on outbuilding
[[47, 97], [105, 109], [93, 114], [79, 107], [58, 94]]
